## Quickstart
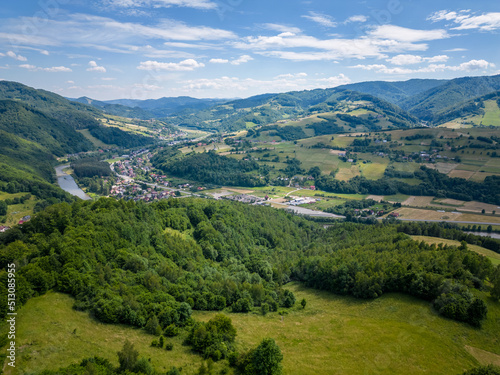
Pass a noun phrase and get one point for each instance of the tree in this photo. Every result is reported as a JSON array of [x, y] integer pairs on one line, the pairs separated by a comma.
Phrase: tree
[[127, 357], [3, 208], [265, 359], [484, 370], [303, 303], [153, 326], [264, 308], [495, 291], [476, 312]]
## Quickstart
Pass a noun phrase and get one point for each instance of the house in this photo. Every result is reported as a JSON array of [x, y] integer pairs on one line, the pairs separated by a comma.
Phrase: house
[[3, 228]]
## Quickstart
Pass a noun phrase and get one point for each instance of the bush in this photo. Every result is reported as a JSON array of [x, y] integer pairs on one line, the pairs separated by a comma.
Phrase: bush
[[169, 346]]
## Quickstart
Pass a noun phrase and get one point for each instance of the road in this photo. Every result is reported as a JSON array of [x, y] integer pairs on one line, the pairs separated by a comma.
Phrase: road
[[448, 221]]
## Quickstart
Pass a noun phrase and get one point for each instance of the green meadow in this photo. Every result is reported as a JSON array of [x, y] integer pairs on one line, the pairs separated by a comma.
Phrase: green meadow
[[393, 334]]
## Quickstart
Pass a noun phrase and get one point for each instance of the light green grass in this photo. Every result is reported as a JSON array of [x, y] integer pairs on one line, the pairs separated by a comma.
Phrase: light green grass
[[394, 334], [96, 142], [494, 257], [46, 339], [373, 171], [332, 335], [16, 211]]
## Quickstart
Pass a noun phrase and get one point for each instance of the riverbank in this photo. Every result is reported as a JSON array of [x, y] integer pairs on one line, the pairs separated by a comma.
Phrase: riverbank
[[68, 184]]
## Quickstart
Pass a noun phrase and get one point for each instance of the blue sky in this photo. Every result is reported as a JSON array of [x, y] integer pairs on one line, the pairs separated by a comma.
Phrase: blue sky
[[109, 49]]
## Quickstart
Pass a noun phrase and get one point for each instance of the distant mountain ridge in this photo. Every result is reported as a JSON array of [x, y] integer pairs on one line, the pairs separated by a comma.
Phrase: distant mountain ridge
[[394, 92]]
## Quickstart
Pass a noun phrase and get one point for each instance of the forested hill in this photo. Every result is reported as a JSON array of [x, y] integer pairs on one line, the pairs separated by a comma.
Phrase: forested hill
[[394, 92], [76, 115], [269, 108], [148, 265], [29, 139], [428, 103]]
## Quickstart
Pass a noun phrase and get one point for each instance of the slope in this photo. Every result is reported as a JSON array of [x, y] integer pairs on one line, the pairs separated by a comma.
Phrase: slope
[[29, 139], [116, 109], [428, 103], [394, 92], [479, 111], [76, 115], [165, 106], [269, 108]]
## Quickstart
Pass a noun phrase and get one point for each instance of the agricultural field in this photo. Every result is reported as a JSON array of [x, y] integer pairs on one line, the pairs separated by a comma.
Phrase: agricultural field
[[441, 215], [332, 335]]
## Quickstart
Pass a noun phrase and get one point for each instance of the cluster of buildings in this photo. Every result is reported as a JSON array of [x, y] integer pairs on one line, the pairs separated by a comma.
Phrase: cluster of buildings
[[133, 190]]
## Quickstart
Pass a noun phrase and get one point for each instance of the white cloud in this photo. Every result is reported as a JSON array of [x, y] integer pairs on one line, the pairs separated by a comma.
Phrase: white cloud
[[70, 82], [16, 57], [54, 69], [185, 65], [219, 61], [415, 59], [456, 50], [289, 75], [357, 18], [378, 42], [242, 59], [93, 67], [250, 86], [103, 33], [281, 28], [475, 65], [198, 4], [322, 19], [484, 22], [341, 79], [403, 34], [431, 68]]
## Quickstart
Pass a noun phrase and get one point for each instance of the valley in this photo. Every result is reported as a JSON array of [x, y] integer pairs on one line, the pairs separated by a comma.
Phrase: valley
[[336, 222]]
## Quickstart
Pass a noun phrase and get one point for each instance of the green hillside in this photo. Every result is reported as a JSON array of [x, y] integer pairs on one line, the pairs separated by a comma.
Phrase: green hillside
[[77, 115], [394, 92], [429, 103], [266, 109], [150, 265]]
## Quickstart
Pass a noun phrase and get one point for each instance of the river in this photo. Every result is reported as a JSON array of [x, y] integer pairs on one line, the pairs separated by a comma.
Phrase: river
[[67, 183]]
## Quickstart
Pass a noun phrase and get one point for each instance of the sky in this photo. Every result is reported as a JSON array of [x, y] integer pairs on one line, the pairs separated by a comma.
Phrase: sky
[[146, 49]]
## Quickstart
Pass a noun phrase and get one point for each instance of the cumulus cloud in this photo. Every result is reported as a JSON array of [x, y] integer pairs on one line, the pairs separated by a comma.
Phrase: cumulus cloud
[[16, 56], [468, 66], [242, 59], [185, 65], [403, 34], [357, 18], [415, 59], [465, 21], [54, 69], [322, 19], [93, 67], [219, 61]]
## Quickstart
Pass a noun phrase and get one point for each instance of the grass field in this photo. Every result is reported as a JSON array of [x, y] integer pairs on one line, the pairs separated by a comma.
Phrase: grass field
[[332, 335], [50, 334], [96, 142], [494, 257], [16, 211], [373, 171]]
